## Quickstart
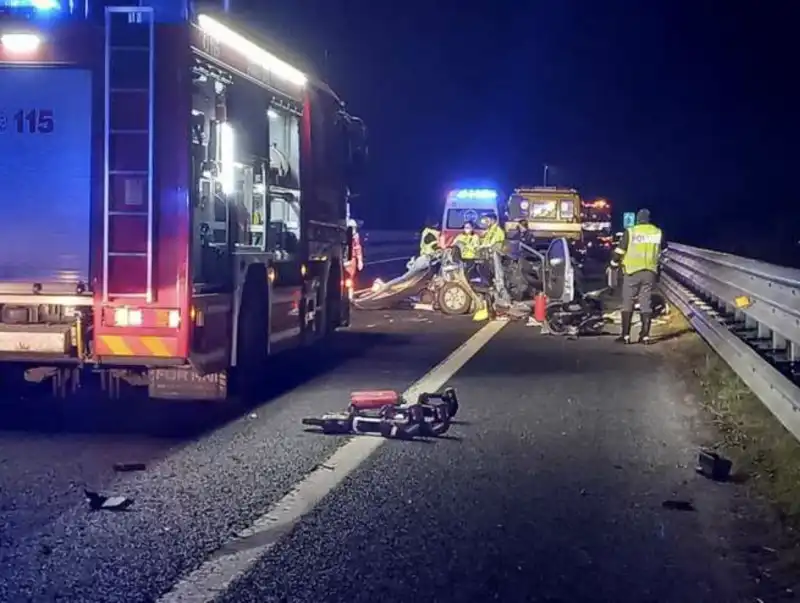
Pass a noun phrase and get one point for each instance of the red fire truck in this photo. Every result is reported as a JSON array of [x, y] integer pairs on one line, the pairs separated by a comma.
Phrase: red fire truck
[[175, 198], [596, 220]]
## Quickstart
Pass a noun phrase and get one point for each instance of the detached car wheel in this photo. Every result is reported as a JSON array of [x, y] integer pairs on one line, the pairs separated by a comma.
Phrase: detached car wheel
[[454, 299]]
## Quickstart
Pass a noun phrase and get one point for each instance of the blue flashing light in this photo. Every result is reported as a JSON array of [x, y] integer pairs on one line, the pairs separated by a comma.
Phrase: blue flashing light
[[43, 6], [481, 194]]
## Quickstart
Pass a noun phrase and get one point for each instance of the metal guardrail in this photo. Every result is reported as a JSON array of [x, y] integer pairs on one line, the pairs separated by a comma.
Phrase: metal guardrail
[[387, 246], [749, 313]]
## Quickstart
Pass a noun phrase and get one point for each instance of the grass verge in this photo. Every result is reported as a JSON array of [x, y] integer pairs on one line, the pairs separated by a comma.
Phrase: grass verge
[[761, 448], [765, 455]]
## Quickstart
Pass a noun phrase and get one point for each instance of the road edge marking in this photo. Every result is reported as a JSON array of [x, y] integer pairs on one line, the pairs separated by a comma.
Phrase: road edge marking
[[238, 556]]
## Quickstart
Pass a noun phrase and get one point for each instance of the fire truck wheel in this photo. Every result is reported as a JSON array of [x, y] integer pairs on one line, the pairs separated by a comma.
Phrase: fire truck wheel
[[454, 299], [337, 311]]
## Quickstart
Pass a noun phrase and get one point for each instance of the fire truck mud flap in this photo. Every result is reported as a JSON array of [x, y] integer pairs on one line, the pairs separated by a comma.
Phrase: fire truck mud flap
[[184, 383]]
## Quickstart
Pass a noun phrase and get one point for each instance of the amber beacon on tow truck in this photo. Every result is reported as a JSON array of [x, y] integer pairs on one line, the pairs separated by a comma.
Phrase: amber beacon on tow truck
[[174, 198]]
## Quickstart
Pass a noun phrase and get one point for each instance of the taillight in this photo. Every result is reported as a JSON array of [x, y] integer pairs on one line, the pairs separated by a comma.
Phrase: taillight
[[127, 317], [174, 319], [134, 317], [20, 43]]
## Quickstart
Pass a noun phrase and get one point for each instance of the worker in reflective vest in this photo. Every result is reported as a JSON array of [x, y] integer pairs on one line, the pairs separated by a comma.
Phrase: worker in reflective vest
[[638, 254], [494, 240], [494, 236], [468, 242], [429, 241], [428, 246]]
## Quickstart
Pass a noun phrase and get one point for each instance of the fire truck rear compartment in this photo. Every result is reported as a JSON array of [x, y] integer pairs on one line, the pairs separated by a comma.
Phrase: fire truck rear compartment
[[45, 138]]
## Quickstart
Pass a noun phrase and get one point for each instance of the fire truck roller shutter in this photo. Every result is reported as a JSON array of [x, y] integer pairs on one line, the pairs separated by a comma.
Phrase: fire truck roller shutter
[[252, 330], [45, 171]]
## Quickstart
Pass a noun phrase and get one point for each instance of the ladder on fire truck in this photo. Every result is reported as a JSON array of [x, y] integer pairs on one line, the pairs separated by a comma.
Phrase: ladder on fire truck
[[128, 185]]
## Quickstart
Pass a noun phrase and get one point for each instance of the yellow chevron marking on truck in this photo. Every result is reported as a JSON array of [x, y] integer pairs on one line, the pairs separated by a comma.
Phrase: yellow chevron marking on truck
[[117, 345], [156, 346]]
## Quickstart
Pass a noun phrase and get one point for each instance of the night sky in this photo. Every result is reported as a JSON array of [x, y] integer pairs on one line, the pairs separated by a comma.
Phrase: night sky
[[687, 108]]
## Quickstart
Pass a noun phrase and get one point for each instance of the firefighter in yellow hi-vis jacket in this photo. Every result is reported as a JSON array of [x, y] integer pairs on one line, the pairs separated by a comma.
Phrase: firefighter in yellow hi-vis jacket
[[468, 242], [638, 253]]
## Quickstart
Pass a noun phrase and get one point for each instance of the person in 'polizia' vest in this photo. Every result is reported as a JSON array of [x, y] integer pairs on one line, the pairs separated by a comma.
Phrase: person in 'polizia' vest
[[638, 253]]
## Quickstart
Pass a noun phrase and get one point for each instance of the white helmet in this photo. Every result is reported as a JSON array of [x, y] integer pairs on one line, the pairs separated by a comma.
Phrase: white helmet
[[352, 224]]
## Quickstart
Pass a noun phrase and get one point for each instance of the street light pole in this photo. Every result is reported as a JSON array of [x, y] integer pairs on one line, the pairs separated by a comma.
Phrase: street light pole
[[546, 167]]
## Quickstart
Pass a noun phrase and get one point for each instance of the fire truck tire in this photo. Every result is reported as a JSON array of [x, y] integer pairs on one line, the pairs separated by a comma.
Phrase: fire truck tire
[[337, 311], [252, 333]]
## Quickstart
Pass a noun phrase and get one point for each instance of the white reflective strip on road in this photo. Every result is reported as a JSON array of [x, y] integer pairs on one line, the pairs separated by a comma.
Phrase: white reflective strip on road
[[239, 555]]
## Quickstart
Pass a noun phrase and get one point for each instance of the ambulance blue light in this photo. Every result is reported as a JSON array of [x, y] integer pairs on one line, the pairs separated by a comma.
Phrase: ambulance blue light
[[43, 6], [476, 193]]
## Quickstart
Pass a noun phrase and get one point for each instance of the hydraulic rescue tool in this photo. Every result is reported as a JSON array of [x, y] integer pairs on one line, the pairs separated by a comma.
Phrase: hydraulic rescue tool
[[387, 414]]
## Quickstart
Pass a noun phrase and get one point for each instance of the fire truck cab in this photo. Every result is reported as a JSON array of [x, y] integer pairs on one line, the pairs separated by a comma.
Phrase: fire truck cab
[[176, 198]]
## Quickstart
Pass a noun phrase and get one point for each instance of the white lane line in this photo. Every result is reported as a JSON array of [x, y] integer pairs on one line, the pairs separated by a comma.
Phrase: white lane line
[[238, 556], [387, 260]]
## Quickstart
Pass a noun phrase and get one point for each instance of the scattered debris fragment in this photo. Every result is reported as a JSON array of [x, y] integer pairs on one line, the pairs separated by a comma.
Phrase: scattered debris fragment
[[129, 467], [678, 505], [98, 502], [713, 466]]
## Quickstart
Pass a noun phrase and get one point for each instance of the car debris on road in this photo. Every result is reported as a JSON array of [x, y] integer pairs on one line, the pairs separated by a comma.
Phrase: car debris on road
[[98, 502], [129, 467], [713, 466], [385, 413]]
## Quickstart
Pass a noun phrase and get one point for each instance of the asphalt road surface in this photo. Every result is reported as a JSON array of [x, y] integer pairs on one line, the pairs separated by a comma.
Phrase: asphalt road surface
[[549, 488]]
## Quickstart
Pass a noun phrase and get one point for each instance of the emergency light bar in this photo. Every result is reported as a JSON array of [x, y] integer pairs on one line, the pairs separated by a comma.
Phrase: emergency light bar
[[37, 5], [250, 51], [475, 194]]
